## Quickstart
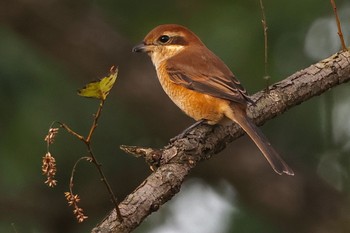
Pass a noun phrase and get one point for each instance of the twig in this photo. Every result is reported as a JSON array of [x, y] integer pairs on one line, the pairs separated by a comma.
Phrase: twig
[[71, 180], [340, 33], [97, 164], [69, 130], [74, 199], [104, 180], [94, 124], [87, 142], [264, 24]]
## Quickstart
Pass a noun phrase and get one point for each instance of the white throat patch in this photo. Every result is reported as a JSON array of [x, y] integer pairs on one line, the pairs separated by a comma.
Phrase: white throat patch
[[165, 52]]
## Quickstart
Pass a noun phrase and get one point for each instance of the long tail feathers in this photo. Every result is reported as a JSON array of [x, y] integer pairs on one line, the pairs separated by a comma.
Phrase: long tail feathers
[[264, 145]]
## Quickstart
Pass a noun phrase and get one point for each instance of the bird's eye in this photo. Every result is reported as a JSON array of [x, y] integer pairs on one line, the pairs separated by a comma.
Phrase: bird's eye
[[163, 39]]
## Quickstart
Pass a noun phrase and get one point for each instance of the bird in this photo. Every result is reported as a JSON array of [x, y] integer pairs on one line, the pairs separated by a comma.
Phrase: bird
[[201, 84]]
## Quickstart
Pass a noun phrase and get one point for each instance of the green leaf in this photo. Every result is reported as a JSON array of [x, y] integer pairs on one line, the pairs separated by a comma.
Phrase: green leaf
[[100, 89]]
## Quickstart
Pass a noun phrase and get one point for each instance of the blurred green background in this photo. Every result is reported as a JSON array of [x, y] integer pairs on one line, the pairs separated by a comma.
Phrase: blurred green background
[[49, 49]]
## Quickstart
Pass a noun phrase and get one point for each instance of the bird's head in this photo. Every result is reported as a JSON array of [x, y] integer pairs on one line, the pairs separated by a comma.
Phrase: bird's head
[[165, 41]]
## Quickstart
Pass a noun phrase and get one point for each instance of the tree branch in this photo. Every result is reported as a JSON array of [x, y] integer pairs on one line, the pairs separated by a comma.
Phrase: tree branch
[[176, 160]]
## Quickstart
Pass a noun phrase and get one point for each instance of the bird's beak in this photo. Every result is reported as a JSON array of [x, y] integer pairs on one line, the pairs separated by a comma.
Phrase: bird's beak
[[140, 48]]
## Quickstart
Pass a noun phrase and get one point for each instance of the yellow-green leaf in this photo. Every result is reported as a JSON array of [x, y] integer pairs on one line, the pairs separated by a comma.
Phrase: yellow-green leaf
[[100, 89]]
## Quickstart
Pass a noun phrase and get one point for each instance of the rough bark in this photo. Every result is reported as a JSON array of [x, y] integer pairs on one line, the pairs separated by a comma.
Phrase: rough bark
[[173, 162]]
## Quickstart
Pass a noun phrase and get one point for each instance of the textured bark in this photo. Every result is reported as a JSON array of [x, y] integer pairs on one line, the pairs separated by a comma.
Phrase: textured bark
[[175, 161]]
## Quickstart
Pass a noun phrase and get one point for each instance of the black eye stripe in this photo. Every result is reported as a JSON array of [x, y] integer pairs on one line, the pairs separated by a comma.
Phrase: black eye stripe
[[175, 40], [179, 40]]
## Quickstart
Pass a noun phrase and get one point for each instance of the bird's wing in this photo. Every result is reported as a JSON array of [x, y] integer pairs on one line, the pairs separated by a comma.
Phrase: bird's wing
[[202, 71]]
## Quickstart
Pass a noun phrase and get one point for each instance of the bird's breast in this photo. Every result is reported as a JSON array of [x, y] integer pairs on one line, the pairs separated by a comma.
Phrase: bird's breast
[[196, 105]]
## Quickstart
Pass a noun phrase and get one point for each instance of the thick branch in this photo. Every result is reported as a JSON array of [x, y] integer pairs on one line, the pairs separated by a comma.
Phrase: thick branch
[[176, 160]]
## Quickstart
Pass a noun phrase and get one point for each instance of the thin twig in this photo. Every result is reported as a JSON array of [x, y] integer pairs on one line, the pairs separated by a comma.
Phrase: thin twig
[[87, 142], [74, 199], [69, 130], [340, 33], [71, 181], [97, 164], [94, 124], [104, 180], [264, 24]]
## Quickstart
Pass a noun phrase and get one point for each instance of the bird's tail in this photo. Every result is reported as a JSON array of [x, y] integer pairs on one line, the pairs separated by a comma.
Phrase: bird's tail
[[254, 132]]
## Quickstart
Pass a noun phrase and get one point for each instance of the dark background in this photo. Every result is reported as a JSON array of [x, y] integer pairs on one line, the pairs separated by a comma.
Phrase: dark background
[[50, 48]]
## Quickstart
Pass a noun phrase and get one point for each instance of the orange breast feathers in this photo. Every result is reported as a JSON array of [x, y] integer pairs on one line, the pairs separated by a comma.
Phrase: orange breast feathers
[[196, 105]]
